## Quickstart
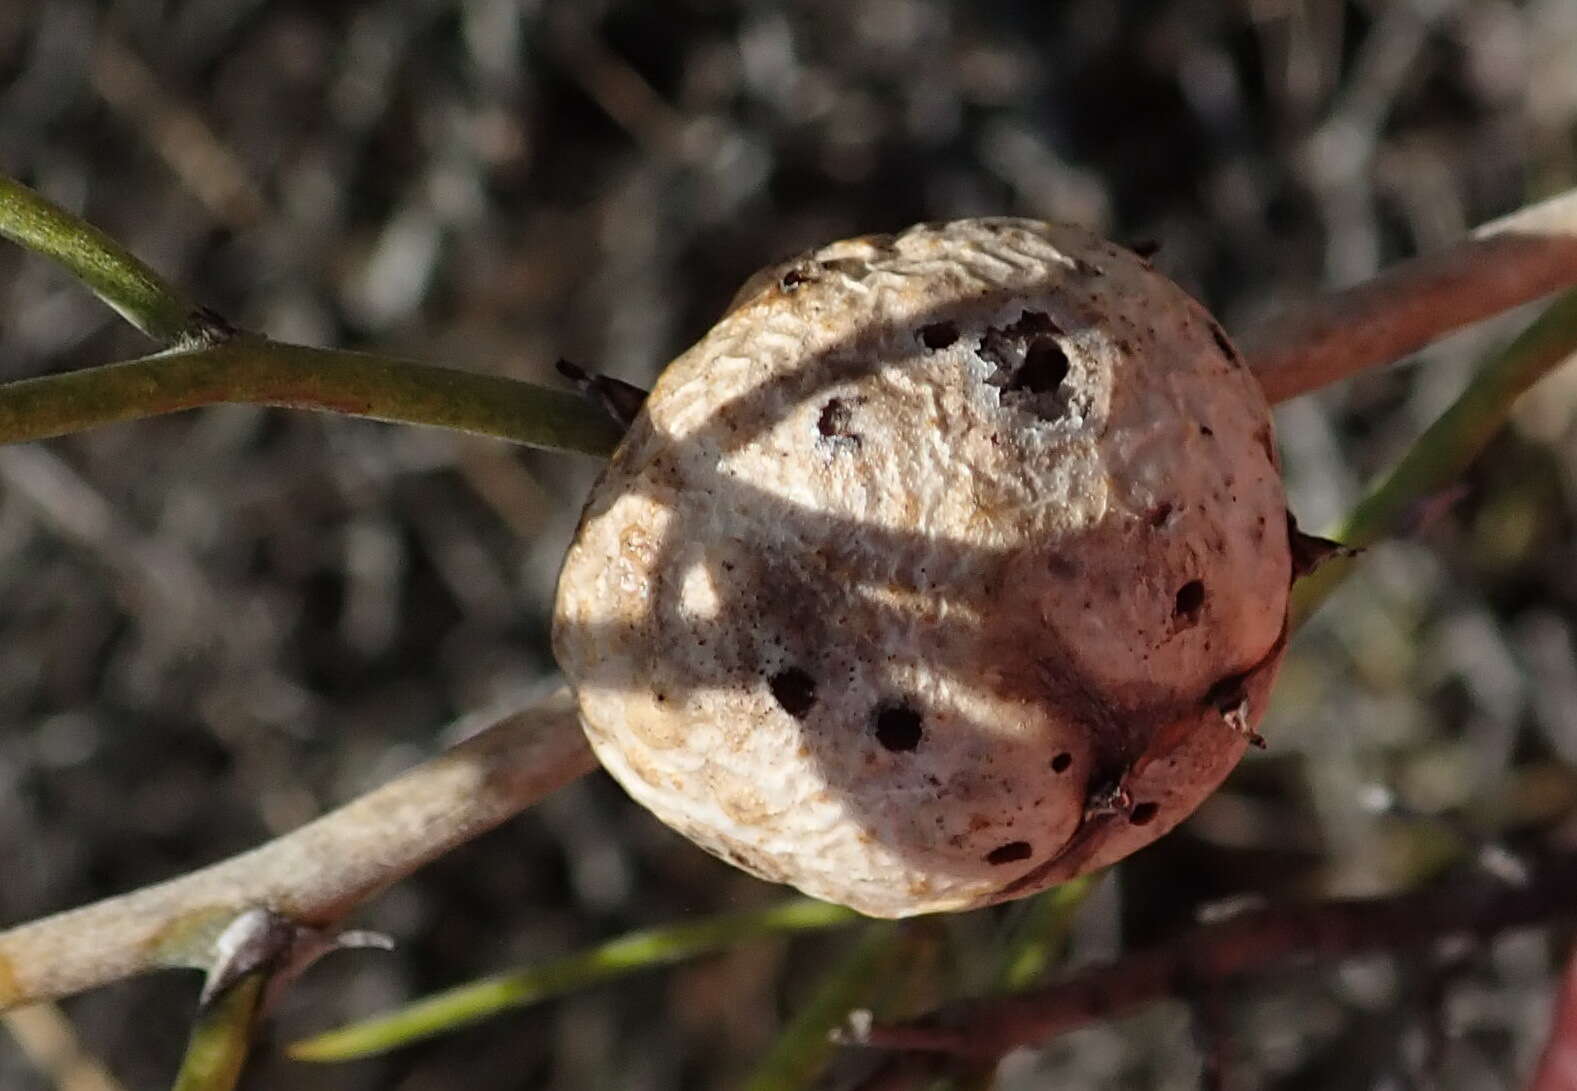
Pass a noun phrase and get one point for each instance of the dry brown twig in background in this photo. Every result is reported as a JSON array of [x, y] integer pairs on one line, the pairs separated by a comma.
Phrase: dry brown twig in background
[[202, 162], [51, 1043], [1211, 956], [1502, 265], [317, 874]]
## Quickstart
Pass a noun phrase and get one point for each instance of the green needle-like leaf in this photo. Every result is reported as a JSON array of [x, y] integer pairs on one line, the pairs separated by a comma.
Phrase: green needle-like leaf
[[211, 363], [458, 1007], [113, 273], [1040, 936], [1449, 445]]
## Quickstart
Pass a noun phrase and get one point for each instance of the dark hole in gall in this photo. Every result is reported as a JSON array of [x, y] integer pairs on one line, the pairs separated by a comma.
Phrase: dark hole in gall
[[794, 278], [898, 727], [1105, 793], [1000, 343], [1006, 854], [1160, 514], [1190, 597], [1062, 762], [1227, 693], [1045, 366], [1223, 344], [1030, 364], [794, 690], [835, 419], [1206, 430], [938, 335], [1143, 813]]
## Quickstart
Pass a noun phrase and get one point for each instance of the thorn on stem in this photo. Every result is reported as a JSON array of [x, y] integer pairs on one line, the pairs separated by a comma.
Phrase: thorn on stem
[[620, 400], [206, 328], [256, 938], [259, 938], [1310, 551]]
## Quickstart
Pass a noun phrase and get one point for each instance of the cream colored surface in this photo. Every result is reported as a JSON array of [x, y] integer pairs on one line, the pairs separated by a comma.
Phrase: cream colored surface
[[866, 490]]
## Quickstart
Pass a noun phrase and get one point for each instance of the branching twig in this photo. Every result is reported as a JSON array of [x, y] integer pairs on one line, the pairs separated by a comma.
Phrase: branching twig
[[1217, 953], [1504, 264], [313, 875], [115, 275], [214, 363], [1507, 263], [254, 371], [318, 873], [1448, 446]]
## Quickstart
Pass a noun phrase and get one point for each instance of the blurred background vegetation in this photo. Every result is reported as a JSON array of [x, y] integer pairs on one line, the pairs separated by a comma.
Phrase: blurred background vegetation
[[214, 626]]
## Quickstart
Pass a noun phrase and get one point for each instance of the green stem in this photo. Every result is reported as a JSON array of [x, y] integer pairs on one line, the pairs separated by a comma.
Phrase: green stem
[[255, 371], [802, 1050], [1449, 445], [446, 1011], [1041, 936], [212, 363], [221, 1038], [114, 274]]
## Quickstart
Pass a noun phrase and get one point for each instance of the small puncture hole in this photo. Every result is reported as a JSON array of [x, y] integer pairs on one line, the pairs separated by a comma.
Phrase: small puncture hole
[[1143, 813], [794, 690], [938, 335], [1190, 597], [1227, 693], [835, 419], [1062, 762], [1161, 514], [1006, 854], [898, 727]]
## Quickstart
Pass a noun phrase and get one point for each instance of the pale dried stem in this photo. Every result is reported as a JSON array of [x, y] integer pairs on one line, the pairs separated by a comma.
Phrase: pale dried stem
[[211, 171], [48, 1040], [313, 875], [1502, 265]]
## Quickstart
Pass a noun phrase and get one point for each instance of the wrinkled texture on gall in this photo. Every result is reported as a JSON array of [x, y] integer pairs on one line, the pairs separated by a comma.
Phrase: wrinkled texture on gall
[[947, 566]]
